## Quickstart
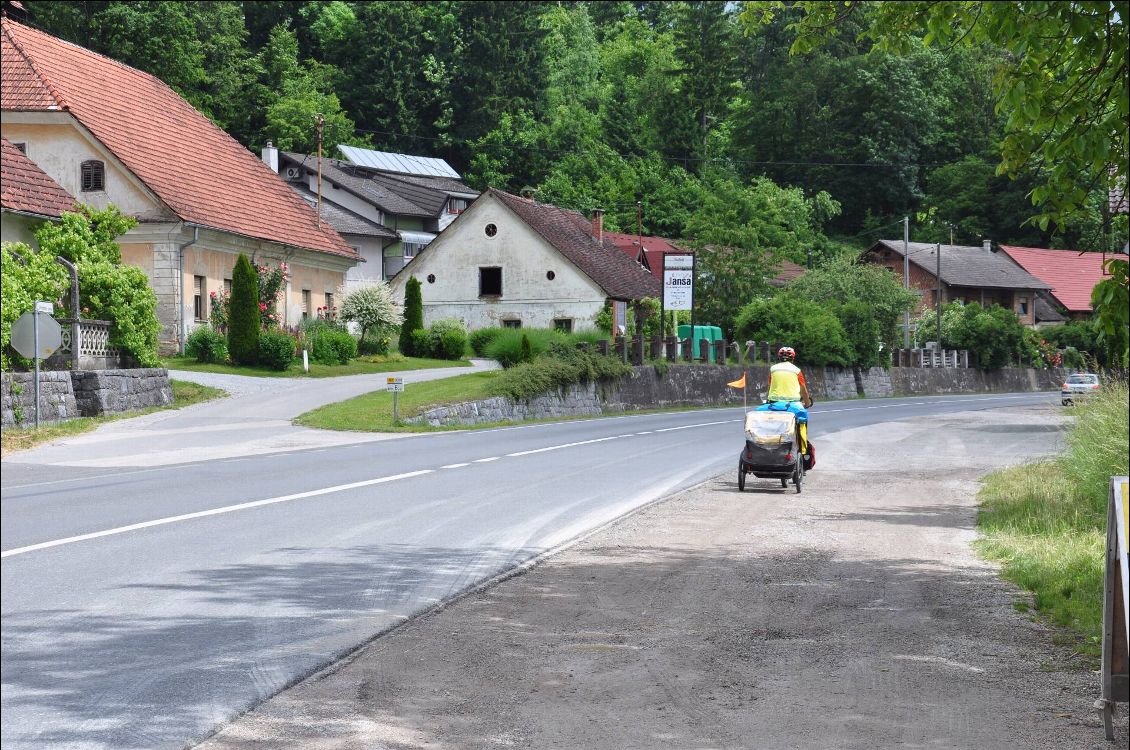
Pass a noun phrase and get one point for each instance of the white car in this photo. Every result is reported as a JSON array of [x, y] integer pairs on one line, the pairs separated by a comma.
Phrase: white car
[[1078, 385]]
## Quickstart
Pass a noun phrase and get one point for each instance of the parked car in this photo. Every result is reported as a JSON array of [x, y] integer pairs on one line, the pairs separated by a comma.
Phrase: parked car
[[1078, 385]]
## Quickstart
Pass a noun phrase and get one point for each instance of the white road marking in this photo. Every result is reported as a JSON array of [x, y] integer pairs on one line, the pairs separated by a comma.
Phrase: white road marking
[[564, 445], [212, 512], [454, 466], [486, 460], [700, 424]]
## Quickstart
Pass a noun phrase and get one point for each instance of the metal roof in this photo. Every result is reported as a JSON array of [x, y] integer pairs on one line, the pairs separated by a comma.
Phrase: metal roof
[[402, 163]]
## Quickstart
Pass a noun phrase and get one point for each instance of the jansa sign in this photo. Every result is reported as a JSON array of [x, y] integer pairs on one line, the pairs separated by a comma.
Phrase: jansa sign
[[678, 282]]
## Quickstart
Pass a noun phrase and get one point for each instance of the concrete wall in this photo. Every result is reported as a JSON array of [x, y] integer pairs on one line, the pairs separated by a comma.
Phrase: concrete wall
[[69, 394], [705, 385]]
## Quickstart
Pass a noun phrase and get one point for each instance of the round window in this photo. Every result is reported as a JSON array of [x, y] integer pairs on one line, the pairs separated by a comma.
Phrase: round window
[[431, 278], [550, 275], [491, 230]]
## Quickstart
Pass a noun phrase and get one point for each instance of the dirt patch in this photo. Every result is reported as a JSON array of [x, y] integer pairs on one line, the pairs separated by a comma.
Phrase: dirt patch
[[853, 615]]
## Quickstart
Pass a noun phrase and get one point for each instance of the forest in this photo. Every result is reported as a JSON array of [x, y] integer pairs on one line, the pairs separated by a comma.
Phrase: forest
[[698, 121]]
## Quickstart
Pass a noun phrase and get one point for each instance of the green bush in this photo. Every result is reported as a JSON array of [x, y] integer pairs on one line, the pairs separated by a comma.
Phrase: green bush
[[413, 317], [808, 327], [448, 339], [244, 320], [561, 365], [207, 345], [506, 347], [374, 344], [861, 328], [276, 349], [420, 343], [38, 277], [480, 339], [993, 334]]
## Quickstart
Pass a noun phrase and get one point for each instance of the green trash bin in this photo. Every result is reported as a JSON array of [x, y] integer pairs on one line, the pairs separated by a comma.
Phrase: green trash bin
[[702, 333]]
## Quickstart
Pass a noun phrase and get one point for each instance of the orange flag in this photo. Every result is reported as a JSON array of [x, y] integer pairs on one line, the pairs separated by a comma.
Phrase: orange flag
[[739, 383]]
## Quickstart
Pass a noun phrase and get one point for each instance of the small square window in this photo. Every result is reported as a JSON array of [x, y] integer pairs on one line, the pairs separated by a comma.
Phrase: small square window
[[490, 282], [457, 205], [22, 148], [565, 325], [512, 323], [1023, 305]]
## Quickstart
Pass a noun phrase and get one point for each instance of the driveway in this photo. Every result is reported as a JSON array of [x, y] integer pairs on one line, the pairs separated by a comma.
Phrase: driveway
[[254, 419]]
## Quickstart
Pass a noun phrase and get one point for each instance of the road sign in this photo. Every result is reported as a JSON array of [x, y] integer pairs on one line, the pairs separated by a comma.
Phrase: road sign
[[45, 307], [24, 335], [395, 385]]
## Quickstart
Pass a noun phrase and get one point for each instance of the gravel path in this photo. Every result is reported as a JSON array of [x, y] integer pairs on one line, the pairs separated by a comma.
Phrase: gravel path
[[854, 615]]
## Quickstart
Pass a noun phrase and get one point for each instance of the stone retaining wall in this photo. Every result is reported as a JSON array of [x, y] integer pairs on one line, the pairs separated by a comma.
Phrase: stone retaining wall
[[56, 398], [705, 385], [76, 393]]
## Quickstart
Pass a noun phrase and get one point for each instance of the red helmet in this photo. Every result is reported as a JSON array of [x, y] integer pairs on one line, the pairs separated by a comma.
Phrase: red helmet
[[786, 352]]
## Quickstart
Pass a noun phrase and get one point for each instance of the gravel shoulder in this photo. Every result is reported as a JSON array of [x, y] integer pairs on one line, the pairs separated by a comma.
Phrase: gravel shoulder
[[853, 615]]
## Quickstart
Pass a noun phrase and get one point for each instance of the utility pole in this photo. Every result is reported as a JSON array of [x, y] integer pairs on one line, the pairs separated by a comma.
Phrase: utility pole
[[938, 296], [321, 120], [906, 277]]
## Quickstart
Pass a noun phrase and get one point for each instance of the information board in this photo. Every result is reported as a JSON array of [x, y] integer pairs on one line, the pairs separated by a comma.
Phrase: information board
[[678, 282]]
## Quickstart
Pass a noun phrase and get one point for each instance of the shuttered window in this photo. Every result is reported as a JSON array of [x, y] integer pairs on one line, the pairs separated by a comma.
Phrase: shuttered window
[[93, 176]]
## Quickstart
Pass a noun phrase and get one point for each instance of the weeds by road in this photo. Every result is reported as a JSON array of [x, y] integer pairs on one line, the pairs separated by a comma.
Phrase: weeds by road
[[18, 439], [1046, 522], [364, 365]]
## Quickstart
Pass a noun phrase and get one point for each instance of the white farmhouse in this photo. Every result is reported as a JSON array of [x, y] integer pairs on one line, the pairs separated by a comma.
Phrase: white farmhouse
[[512, 262]]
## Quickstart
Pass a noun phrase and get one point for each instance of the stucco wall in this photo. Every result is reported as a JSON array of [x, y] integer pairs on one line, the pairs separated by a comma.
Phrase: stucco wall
[[60, 149], [371, 270], [528, 295], [17, 228]]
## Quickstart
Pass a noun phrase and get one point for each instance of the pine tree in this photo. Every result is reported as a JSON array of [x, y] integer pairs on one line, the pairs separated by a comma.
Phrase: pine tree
[[243, 323], [413, 315]]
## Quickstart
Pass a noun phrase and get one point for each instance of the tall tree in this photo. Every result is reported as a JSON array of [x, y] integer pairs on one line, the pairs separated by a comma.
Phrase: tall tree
[[243, 320]]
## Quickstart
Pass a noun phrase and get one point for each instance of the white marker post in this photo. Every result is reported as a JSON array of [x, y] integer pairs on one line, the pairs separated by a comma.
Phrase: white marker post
[[395, 385]]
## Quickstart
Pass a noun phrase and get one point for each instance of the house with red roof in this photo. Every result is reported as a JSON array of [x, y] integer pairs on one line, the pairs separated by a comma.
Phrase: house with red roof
[[509, 261], [107, 133], [28, 196], [1070, 274]]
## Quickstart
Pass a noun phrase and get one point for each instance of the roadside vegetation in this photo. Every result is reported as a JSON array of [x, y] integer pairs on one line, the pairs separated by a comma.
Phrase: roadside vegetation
[[363, 365], [21, 438], [1046, 522]]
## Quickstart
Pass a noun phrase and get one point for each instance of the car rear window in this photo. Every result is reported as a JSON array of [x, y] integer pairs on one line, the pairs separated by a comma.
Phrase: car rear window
[[1082, 378]]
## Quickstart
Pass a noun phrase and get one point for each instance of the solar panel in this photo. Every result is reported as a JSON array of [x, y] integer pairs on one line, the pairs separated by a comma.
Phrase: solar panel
[[402, 163]]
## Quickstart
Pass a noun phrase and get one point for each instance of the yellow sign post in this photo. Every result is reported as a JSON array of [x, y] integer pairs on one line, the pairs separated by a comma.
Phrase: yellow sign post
[[1116, 605]]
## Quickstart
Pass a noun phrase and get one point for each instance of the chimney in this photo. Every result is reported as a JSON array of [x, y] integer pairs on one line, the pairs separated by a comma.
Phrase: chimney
[[988, 245], [529, 193], [271, 157], [598, 224]]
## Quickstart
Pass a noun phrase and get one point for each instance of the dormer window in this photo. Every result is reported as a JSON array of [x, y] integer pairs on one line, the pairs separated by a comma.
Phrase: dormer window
[[93, 176], [457, 205]]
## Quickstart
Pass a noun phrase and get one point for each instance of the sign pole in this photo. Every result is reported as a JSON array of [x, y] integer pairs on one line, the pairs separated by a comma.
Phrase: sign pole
[[35, 335], [395, 416]]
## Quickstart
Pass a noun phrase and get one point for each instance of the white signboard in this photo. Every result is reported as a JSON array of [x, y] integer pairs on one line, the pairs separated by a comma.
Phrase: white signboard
[[395, 385], [678, 282]]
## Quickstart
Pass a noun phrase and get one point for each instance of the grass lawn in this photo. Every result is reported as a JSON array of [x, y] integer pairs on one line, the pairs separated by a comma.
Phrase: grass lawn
[[363, 365], [1046, 522], [372, 412], [18, 439]]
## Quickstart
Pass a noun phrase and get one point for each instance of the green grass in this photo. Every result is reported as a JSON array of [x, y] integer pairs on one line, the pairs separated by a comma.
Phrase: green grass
[[1046, 522], [363, 365], [372, 412], [17, 439]]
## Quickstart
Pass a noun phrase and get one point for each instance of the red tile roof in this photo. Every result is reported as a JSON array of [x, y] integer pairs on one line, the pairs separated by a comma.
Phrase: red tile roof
[[26, 188], [1071, 274], [617, 274], [200, 172], [654, 249]]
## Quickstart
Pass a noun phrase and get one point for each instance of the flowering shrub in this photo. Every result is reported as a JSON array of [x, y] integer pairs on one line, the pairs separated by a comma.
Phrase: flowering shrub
[[207, 345], [271, 283], [377, 313]]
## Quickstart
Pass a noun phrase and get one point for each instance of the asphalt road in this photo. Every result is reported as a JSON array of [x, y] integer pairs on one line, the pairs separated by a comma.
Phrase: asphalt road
[[145, 605]]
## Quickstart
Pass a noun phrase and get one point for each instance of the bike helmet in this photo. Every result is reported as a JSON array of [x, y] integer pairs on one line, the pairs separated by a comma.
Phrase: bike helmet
[[786, 353]]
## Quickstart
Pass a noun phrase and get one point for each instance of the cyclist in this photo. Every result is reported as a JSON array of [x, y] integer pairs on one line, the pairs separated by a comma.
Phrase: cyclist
[[787, 390]]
